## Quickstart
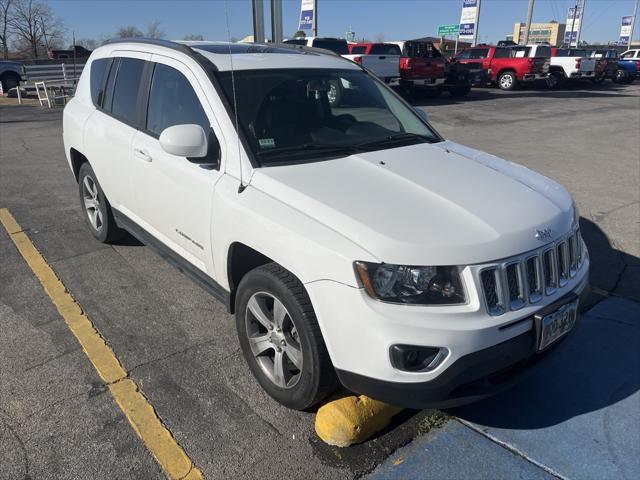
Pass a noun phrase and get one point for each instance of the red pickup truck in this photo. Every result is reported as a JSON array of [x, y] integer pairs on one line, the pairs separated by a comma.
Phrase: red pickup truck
[[424, 71], [505, 66]]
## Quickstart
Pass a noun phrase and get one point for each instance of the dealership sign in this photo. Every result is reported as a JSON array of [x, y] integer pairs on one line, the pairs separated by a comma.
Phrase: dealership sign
[[448, 30], [307, 14], [574, 17], [625, 31], [469, 19]]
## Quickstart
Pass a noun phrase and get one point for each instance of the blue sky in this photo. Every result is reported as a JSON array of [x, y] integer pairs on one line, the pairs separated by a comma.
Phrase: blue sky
[[396, 19]]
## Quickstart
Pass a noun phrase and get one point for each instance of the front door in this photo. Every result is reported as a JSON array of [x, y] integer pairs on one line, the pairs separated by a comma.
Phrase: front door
[[173, 194]]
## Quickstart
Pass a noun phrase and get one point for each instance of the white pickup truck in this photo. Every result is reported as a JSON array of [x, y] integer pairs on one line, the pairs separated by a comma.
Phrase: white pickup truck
[[381, 59], [569, 64]]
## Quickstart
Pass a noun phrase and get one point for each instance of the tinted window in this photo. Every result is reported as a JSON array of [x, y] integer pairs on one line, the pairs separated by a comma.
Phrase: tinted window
[[358, 50], [108, 88], [172, 101], [338, 46], [501, 53], [385, 50], [296, 41], [475, 53], [125, 93], [543, 52], [98, 69], [420, 50]]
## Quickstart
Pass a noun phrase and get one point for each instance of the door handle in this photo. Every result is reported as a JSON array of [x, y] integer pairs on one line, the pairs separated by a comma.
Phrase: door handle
[[140, 153]]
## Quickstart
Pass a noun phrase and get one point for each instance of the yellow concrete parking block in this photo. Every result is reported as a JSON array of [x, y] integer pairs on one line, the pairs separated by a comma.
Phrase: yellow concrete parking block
[[139, 412], [352, 420]]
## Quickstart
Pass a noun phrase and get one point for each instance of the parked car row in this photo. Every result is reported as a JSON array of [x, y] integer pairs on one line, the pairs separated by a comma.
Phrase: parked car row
[[418, 68]]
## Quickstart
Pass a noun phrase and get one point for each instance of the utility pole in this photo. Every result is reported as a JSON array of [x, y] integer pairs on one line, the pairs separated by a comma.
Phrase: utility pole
[[528, 27], [573, 22], [475, 30], [276, 21], [258, 21], [582, 4], [633, 23]]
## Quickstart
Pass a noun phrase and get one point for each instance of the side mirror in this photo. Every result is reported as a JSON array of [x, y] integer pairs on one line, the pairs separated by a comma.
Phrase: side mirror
[[188, 140], [422, 113]]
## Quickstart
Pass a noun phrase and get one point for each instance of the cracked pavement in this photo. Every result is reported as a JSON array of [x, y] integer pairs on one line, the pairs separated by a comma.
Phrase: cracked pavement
[[179, 344]]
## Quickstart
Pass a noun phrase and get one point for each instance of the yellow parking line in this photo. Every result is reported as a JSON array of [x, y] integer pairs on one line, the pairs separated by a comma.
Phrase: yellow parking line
[[140, 413]]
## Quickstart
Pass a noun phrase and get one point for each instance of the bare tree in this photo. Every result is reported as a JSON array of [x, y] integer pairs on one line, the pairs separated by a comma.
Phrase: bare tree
[[128, 32], [193, 37], [88, 43], [5, 12], [378, 37], [299, 34], [35, 28], [154, 30]]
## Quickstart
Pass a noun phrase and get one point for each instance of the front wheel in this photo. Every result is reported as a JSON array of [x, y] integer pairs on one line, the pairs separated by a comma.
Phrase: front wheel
[[280, 338], [507, 81]]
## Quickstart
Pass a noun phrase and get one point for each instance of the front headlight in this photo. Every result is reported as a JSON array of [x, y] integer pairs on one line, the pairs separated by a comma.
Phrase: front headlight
[[411, 284]]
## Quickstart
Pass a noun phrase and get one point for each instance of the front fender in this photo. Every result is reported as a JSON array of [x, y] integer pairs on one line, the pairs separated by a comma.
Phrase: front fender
[[290, 237]]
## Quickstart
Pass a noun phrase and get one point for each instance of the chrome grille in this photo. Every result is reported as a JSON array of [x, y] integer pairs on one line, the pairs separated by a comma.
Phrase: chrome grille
[[526, 279]]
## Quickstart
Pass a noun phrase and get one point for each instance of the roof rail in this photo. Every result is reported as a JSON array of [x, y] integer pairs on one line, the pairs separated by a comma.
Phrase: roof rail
[[303, 48], [153, 41]]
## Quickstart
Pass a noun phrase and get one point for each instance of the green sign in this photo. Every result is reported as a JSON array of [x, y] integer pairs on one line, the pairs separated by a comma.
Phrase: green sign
[[448, 30]]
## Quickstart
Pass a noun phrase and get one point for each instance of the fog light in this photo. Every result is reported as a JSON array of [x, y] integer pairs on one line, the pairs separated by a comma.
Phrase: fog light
[[411, 358]]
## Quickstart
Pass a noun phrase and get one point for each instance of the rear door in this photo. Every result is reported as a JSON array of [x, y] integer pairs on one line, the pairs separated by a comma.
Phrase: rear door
[[173, 194], [383, 60], [112, 126]]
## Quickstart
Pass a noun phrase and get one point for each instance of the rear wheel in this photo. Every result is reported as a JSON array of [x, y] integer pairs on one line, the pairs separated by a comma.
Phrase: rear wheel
[[280, 338], [95, 206], [507, 81], [554, 80]]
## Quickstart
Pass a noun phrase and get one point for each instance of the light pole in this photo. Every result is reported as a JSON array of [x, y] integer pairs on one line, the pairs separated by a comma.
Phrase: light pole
[[528, 27]]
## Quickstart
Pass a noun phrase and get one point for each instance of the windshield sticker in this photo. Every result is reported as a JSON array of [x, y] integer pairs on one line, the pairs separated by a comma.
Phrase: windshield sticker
[[267, 142]]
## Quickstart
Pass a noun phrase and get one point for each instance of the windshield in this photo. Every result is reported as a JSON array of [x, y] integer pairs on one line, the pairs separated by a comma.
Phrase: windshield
[[298, 115]]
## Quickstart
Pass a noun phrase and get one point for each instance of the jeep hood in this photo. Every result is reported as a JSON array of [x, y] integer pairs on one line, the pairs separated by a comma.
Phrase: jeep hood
[[426, 204]]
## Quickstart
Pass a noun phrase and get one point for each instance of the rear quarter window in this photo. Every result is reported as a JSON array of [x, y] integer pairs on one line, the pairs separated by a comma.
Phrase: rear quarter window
[[97, 74]]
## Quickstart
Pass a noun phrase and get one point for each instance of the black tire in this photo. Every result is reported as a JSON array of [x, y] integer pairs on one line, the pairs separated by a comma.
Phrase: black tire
[[9, 80], [554, 80], [316, 378], [459, 92], [598, 80], [107, 231], [507, 80]]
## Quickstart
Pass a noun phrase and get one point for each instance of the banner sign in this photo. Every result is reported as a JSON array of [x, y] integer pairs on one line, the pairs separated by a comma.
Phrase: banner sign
[[625, 31], [307, 13], [469, 19], [574, 16], [448, 30]]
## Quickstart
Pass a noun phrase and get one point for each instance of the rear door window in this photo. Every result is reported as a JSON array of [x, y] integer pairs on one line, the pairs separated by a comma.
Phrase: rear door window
[[126, 90], [385, 50]]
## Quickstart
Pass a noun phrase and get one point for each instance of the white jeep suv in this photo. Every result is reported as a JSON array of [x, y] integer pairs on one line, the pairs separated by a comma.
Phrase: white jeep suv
[[353, 243]]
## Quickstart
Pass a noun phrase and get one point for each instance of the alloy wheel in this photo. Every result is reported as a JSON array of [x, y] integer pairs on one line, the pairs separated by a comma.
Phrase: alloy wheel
[[506, 81], [274, 339], [92, 202]]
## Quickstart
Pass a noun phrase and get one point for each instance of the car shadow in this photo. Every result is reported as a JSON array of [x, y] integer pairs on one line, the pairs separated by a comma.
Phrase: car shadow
[[595, 367], [573, 90]]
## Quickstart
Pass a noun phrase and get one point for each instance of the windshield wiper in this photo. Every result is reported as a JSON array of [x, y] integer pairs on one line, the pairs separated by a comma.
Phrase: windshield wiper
[[398, 137], [315, 147]]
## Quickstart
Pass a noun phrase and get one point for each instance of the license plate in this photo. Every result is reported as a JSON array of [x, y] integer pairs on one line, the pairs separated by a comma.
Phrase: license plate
[[556, 324]]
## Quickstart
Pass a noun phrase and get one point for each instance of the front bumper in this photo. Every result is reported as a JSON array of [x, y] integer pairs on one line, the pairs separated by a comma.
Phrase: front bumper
[[485, 353], [471, 378]]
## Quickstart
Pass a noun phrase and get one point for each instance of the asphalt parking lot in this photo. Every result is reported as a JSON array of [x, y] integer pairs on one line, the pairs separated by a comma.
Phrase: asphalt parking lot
[[58, 420]]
